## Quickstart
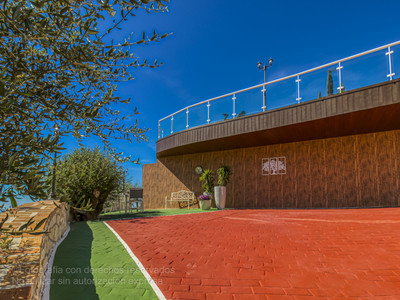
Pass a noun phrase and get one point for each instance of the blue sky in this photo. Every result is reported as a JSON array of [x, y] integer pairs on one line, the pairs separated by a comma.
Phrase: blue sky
[[216, 45]]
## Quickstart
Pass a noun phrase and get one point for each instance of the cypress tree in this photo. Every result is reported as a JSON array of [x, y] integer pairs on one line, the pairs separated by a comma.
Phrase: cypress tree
[[329, 84]]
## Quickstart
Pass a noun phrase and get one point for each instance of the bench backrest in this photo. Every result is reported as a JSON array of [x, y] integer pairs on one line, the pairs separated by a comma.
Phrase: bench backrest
[[135, 193], [182, 195]]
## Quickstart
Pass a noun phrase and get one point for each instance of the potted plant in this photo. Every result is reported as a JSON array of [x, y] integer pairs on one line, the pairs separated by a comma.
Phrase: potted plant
[[220, 191], [205, 202], [207, 179]]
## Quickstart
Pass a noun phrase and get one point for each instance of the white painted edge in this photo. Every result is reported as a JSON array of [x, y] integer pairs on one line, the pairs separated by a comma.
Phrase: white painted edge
[[47, 276], [150, 280]]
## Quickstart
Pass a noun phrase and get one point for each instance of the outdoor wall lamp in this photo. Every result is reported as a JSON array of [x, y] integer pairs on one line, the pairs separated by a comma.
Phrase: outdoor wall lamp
[[265, 67], [198, 170]]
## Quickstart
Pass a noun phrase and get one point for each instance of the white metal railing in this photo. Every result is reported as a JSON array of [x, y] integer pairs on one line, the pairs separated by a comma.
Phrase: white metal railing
[[339, 69]]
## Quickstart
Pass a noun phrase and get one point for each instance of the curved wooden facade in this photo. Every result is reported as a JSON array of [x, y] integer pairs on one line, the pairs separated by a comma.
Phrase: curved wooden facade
[[340, 151]]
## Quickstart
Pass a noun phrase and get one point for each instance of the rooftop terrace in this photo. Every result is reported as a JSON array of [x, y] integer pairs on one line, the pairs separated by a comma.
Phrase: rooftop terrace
[[351, 73]]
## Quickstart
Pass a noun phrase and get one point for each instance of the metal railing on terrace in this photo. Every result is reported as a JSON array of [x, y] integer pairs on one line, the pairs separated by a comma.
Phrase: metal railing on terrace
[[363, 69]]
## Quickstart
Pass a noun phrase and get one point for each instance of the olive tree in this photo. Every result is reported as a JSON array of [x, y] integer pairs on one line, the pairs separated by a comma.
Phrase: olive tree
[[59, 65]]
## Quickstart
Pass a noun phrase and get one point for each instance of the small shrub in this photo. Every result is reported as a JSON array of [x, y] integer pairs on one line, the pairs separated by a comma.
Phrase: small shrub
[[85, 178]]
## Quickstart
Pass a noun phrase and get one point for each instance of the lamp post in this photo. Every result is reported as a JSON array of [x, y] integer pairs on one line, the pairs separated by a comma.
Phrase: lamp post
[[123, 190], [264, 90], [53, 180]]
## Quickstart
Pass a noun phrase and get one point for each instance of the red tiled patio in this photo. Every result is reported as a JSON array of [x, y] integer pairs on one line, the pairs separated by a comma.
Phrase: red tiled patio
[[271, 254]]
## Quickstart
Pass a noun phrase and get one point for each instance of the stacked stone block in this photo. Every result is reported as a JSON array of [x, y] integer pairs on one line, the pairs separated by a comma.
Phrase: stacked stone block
[[23, 266]]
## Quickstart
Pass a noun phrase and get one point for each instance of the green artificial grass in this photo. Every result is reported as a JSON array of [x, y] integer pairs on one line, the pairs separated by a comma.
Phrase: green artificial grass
[[91, 263], [151, 213]]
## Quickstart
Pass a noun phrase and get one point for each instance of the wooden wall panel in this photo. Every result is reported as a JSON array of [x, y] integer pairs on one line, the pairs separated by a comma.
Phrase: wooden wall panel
[[274, 182], [317, 175], [348, 165], [384, 170], [263, 188], [352, 171], [237, 190], [250, 182], [332, 172], [396, 168], [367, 165], [302, 165], [258, 179], [289, 180]]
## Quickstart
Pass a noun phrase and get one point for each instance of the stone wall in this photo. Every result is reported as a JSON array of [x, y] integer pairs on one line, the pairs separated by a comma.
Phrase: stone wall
[[23, 266]]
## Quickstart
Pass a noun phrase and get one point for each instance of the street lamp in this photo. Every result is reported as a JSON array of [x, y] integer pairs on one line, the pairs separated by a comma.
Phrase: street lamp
[[124, 193], [53, 180], [265, 67]]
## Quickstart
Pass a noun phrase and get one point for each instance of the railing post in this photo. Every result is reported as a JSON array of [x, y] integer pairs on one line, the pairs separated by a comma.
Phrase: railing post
[[298, 99], [162, 132], [389, 55], [172, 124], [208, 112], [159, 129], [339, 69], [187, 118], [264, 91], [234, 105]]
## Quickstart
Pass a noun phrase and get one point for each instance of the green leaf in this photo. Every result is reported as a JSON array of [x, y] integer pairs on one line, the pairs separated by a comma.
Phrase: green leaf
[[2, 88], [24, 226], [28, 163], [3, 221], [12, 159], [39, 224], [17, 12], [91, 31], [38, 232], [13, 202], [64, 10]]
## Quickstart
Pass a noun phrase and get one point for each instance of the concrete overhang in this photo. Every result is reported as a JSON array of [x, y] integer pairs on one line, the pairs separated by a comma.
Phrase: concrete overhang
[[369, 109]]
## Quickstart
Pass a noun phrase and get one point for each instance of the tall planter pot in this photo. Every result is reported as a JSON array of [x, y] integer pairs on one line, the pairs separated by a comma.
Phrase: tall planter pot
[[220, 196]]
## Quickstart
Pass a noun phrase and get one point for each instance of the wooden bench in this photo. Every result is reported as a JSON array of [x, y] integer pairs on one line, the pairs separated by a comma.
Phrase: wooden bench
[[182, 197]]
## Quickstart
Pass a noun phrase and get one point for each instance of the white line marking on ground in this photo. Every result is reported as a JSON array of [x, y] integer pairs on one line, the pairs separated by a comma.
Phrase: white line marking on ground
[[345, 221], [47, 276], [150, 280], [247, 219]]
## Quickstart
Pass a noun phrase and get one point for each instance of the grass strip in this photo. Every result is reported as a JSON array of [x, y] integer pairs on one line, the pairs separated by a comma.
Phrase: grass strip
[[91, 263]]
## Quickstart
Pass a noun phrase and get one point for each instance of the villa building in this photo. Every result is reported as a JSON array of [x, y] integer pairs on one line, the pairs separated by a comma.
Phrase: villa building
[[341, 150]]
